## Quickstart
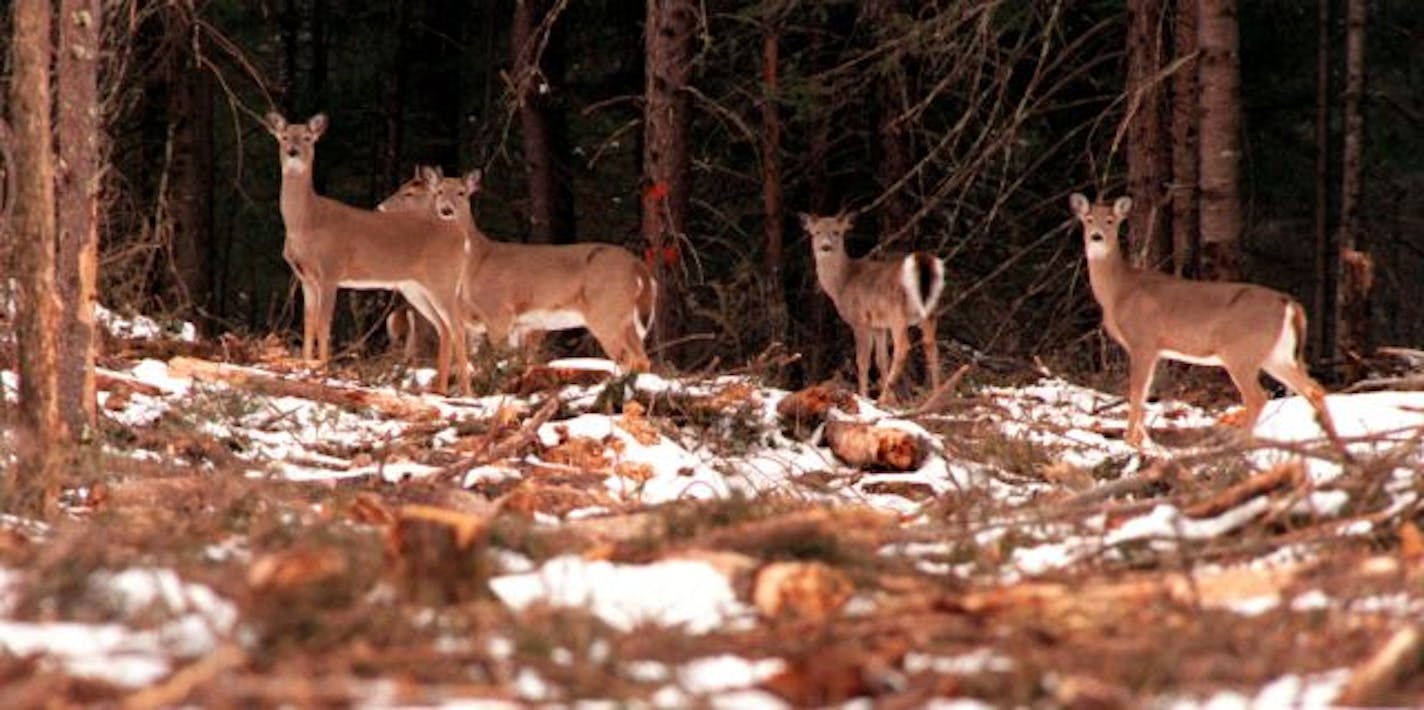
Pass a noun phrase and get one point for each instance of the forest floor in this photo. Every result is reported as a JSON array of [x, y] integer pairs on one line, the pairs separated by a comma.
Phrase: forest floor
[[244, 531]]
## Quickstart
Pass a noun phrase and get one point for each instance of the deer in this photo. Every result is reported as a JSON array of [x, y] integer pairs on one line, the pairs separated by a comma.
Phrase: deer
[[332, 245], [1243, 328], [511, 291], [879, 299]]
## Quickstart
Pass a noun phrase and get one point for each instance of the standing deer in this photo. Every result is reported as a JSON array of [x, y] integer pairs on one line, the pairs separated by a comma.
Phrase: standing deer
[[514, 290], [332, 245], [1241, 327], [879, 299]]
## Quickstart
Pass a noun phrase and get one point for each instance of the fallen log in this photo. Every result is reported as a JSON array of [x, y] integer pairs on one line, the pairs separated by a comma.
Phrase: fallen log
[[808, 591], [875, 448], [112, 381], [804, 410], [395, 406], [541, 378], [438, 555]]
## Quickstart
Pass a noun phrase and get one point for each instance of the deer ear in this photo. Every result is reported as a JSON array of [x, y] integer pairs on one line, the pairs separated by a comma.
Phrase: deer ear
[[274, 122], [428, 175], [1078, 202], [805, 219], [472, 180], [848, 217], [317, 124], [1122, 206]]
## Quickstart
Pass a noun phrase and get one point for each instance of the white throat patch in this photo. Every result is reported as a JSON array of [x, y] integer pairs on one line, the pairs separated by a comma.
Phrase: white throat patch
[[1098, 250]]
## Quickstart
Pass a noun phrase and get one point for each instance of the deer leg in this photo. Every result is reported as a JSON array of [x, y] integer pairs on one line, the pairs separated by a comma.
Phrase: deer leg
[[1139, 384], [927, 336], [1294, 376], [326, 310], [460, 356], [309, 316], [420, 301], [862, 359], [1253, 395], [412, 333], [899, 354]]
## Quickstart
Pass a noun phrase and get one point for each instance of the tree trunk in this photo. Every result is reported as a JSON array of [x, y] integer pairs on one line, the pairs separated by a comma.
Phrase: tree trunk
[[390, 172], [1326, 255], [771, 179], [537, 88], [820, 321], [1356, 277], [895, 158], [1148, 156], [291, 25], [668, 34], [77, 192], [1218, 36], [38, 309], [319, 53], [1186, 229], [189, 197]]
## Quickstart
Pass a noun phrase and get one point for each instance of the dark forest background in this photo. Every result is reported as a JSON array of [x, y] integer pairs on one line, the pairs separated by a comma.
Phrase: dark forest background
[[959, 126]]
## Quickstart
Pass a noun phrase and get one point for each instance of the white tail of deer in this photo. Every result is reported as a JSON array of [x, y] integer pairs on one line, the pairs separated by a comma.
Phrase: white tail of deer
[[512, 290], [332, 245], [1240, 327], [878, 299]]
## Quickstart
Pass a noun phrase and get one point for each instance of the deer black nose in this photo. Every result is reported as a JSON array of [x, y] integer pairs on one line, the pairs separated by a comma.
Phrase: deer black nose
[[447, 212], [1097, 237], [292, 152]]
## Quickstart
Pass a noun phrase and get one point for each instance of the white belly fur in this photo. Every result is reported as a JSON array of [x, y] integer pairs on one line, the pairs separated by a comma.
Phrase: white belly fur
[[1192, 359], [372, 285], [549, 320]]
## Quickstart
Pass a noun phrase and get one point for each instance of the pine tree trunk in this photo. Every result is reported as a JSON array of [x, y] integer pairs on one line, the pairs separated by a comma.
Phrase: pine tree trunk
[[1148, 156], [1356, 277], [542, 126], [1326, 255], [819, 320], [771, 178], [1220, 76], [668, 34], [895, 159], [189, 197], [1186, 229], [77, 193], [291, 25], [390, 171], [38, 309]]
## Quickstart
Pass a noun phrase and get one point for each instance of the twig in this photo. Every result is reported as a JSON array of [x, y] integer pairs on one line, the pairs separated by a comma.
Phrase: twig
[[1155, 474], [182, 684], [1400, 657], [527, 432], [940, 397]]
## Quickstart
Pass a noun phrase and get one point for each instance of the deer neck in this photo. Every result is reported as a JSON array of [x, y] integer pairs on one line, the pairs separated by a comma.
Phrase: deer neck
[[477, 244], [1108, 275], [832, 270], [298, 198]]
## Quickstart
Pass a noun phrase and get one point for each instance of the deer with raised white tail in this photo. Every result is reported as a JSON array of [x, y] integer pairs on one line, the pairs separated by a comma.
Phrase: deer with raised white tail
[[879, 300], [514, 290], [331, 245], [1241, 327]]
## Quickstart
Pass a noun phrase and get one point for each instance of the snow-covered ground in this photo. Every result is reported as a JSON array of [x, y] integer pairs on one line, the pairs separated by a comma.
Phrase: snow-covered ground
[[643, 460]]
